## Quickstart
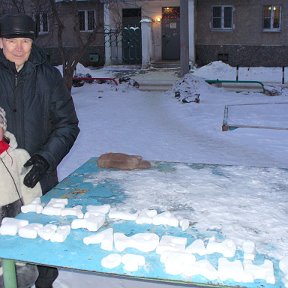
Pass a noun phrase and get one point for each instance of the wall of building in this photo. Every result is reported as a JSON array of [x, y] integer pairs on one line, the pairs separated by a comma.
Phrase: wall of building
[[247, 44]]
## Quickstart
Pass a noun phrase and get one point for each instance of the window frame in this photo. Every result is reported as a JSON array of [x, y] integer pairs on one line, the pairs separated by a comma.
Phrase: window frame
[[38, 17], [271, 28], [86, 20], [222, 18]]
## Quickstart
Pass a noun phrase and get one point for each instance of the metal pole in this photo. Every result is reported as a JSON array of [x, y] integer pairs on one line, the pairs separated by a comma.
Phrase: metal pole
[[184, 37], [283, 80], [9, 273]]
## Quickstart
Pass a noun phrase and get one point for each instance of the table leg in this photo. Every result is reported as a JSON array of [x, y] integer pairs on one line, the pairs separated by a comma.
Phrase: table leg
[[9, 273]]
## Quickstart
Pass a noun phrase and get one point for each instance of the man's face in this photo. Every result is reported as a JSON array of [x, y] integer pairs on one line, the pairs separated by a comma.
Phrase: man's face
[[16, 50]]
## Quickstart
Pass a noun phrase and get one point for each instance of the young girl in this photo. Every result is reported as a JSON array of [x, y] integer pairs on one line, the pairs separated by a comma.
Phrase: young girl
[[13, 193]]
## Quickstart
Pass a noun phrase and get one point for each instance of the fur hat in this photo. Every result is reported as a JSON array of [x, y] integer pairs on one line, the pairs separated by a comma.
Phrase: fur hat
[[18, 25], [3, 121]]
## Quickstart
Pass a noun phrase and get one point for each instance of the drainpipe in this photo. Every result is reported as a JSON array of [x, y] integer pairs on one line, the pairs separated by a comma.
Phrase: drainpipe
[[184, 37], [191, 11]]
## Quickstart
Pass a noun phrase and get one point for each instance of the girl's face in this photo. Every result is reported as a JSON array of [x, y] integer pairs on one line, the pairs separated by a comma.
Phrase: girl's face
[[1, 133]]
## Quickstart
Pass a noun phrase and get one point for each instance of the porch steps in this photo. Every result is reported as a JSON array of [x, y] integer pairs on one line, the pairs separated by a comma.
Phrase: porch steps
[[156, 79], [166, 65]]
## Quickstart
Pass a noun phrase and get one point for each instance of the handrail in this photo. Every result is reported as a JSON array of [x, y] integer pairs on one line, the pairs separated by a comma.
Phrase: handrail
[[236, 82]]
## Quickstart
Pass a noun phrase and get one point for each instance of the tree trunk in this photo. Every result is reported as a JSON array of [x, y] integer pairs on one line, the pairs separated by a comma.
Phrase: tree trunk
[[68, 74]]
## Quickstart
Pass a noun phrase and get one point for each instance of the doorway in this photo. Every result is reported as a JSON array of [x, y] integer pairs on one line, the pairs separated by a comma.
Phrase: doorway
[[131, 36], [170, 33]]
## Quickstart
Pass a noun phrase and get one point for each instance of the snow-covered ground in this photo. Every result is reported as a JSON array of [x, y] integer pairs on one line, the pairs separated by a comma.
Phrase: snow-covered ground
[[158, 126]]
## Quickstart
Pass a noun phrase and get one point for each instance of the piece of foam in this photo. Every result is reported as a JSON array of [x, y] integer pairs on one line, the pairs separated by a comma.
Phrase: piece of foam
[[171, 243], [73, 211], [104, 237], [104, 209], [35, 206], [10, 226], [264, 271], [46, 231], [146, 216], [202, 267], [60, 234], [227, 248], [111, 261], [165, 218], [58, 202], [197, 247], [175, 262], [122, 215], [184, 224], [30, 231], [132, 262], [283, 265], [145, 242], [52, 211], [232, 270], [91, 222], [249, 250]]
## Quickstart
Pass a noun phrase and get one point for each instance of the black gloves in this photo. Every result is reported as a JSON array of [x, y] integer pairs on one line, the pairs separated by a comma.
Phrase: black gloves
[[40, 166]]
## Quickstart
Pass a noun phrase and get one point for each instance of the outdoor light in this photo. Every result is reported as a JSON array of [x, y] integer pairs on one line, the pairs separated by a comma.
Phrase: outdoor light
[[158, 19]]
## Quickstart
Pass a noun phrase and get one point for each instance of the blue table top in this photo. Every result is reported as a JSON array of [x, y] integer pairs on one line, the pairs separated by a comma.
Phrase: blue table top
[[72, 253]]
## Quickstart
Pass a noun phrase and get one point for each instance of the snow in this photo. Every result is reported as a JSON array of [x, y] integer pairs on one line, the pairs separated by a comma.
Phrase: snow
[[158, 126]]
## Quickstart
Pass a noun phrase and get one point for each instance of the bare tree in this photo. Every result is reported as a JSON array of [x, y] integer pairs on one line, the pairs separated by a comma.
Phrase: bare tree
[[70, 60]]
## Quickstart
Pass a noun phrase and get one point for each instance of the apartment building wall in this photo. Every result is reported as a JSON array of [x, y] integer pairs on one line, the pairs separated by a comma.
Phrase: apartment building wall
[[247, 44]]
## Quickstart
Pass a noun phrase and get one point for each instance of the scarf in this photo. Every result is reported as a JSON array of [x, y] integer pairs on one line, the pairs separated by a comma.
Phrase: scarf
[[3, 146]]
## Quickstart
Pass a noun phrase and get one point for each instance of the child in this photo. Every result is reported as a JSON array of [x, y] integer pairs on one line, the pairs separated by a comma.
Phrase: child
[[13, 193]]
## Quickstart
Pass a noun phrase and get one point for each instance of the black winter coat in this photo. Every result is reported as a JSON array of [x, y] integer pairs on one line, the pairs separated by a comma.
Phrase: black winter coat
[[39, 109]]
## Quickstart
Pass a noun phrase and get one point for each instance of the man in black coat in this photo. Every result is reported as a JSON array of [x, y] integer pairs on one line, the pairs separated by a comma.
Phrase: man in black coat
[[39, 109]]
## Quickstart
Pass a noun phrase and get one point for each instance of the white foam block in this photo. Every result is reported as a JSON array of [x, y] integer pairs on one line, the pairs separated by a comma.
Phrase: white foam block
[[52, 211], [197, 247], [227, 248], [165, 218], [60, 234], [93, 223], [104, 237], [201, 267], [283, 265], [249, 250], [132, 262], [175, 262], [10, 226], [122, 215], [46, 231], [78, 224], [104, 209], [264, 271], [184, 224], [145, 242], [58, 202], [36, 208], [111, 261], [171, 243], [73, 211], [232, 270], [30, 231], [146, 216]]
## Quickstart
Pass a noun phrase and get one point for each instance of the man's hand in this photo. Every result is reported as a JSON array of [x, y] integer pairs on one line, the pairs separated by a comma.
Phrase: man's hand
[[39, 168]]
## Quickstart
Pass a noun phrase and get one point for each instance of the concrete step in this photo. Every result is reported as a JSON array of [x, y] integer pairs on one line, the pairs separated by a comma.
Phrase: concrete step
[[155, 86], [166, 65]]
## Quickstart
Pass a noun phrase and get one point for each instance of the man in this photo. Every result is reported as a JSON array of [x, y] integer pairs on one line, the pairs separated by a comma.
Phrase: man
[[39, 109]]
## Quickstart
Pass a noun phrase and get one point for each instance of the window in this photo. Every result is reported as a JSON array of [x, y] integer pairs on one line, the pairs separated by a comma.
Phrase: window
[[272, 18], [87, 20], [222, 17], [41, 20]]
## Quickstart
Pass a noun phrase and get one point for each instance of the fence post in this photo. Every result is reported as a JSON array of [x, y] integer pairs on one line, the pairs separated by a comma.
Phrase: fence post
[[237, 71], [283, 80]]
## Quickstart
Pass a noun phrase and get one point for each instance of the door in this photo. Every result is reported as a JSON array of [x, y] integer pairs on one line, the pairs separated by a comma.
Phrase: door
[[171, 33], [131, 36]]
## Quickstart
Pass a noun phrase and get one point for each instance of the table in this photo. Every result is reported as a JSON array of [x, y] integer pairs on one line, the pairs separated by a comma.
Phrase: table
[[90, 185]]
